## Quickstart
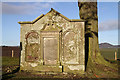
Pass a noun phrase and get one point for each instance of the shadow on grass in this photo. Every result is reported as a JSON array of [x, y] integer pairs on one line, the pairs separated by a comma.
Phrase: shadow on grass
[[10, 75], [113, 61]]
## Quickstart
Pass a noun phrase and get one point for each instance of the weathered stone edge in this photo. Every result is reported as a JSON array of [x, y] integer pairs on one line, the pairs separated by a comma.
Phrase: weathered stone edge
[[70, 20]]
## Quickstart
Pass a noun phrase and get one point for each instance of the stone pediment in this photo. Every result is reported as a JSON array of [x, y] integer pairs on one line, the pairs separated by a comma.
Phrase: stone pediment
[[51, 13]]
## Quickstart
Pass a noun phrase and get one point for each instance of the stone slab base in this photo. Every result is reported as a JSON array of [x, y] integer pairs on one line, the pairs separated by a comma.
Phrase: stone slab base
[[44, 68]]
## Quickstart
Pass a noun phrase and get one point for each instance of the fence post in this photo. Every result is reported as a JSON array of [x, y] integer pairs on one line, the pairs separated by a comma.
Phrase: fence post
[[12, 53], [115, 55]]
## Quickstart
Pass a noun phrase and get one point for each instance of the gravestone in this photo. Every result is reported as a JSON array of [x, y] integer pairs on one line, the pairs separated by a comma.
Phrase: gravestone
[[52, 42]]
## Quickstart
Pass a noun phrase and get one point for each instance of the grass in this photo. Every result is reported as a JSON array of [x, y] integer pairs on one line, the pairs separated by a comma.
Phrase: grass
[[9, 61], [9, 64], [109, 53]]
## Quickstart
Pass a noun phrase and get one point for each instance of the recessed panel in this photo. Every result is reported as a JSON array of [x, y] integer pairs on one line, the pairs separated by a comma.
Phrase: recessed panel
[[50, 50], [70, 48]]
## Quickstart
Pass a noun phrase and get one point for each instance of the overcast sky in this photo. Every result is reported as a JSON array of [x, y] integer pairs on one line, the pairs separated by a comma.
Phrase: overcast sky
[[13, 12]]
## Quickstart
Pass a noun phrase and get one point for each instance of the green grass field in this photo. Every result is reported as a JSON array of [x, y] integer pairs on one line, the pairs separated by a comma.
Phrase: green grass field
[[9, 61], [109, 53]]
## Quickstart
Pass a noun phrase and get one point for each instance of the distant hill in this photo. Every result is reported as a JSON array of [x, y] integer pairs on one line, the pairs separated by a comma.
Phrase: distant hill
[[108, 45]]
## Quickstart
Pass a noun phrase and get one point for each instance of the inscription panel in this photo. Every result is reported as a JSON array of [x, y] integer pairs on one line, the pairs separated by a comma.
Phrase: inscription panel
[[50, 50]]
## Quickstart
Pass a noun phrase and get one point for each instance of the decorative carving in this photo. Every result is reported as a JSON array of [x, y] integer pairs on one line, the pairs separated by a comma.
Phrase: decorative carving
[[51, 26], [70, 46], [32, 46]]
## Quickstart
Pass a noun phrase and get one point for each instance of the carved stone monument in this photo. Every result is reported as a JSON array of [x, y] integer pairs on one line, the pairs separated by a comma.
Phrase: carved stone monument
[[52, 42]]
